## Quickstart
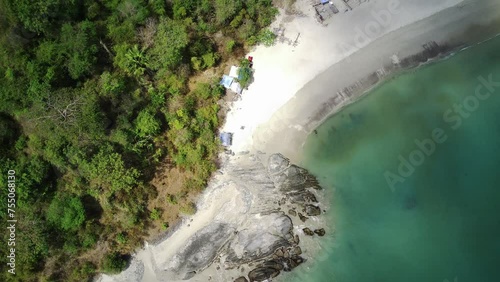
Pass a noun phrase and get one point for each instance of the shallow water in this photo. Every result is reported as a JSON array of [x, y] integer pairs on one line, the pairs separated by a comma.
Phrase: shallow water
[[406, 208]]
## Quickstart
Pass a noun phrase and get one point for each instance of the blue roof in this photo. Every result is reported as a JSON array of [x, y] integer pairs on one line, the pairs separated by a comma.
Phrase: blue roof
[[226, 81], [226, 138], [324, 1]]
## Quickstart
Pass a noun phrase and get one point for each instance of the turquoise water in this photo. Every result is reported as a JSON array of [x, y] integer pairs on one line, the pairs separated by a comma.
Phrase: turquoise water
[[439, 221]]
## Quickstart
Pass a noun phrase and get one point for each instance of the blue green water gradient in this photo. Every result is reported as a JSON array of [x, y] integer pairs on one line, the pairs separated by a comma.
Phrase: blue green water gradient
[[403, 209]]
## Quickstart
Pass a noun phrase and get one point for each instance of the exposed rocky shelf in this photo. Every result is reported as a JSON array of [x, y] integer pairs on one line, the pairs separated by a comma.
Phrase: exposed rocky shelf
[[264, 243]]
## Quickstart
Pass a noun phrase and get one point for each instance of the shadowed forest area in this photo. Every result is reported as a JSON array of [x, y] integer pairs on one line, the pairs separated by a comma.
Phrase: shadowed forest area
[[99, 100]]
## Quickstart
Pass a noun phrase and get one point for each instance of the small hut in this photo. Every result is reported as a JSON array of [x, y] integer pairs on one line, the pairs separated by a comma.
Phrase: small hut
[[226, 139]]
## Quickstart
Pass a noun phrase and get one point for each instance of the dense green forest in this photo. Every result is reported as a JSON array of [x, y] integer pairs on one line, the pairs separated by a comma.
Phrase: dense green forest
[[95, 97]]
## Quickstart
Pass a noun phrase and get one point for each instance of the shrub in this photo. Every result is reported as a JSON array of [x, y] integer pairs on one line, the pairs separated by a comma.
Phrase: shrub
[[171, 199], [66, 213], [121, 238], [203, 91], [113, 263], [252, 40], [164, 226], [245, 73], [230, 45], [155, 214], [196, 63], [89, 240], [70, 247], [209, 59], [267, 37], [83, 272], [188, 208], [146, 124]]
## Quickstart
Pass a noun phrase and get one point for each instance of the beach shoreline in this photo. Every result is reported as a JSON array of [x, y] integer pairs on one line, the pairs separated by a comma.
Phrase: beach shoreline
[[312, 105], [263, 125]]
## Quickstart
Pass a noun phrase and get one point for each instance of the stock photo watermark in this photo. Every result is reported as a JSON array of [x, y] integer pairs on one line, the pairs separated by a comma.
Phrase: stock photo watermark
[[454, 117], [11, 221], [379, 22]]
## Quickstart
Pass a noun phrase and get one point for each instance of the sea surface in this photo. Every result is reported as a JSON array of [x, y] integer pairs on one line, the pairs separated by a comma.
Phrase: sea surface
[[413, 175]]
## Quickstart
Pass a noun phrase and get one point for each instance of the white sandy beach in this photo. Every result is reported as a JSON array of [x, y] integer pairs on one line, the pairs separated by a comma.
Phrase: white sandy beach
[[277, 115]]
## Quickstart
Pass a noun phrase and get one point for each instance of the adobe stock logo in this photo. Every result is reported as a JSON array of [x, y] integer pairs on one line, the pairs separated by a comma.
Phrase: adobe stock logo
[[375, 27], [454, 117]]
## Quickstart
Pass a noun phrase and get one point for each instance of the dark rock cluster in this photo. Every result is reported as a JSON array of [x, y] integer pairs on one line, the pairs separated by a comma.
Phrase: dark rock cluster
[[284, 259], [295, 183]]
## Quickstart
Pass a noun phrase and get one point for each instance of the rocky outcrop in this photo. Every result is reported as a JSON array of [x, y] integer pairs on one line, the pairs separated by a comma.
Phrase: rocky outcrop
[[308, 231], [267, 233], [311, 210], [197, 254], [290, 178], [261, 236], [302, 217], [263, 273], [321, 232]]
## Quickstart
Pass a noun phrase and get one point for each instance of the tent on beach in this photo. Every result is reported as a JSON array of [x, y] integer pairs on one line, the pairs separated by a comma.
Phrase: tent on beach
[[233, 72], [226, 81], [229, 81], [226, 139]]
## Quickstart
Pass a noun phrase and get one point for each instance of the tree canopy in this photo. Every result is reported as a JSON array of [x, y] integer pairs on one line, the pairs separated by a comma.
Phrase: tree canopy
[[100, 102]]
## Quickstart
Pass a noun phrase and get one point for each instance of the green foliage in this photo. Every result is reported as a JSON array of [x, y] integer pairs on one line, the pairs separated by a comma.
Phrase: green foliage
[[155, 214], [34, 173], [32, 242], [170, 42], [188, 208], [196, 63], [83, 271], [39, 15], [131, 59], [95, 92], [79, 45], [111, 84], [230, 45], [146, 124], [66, 213], [89, 240], [245, 73], [226, 9], [267, 37], [121, 238], [71, 246], [132, 10], [171, 199], [209, 59], [205, 91], [247, 30], [236, 22], [21, 143], [113, 263], [165, 226], [158, 7], [107, 173], [157, 98]]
